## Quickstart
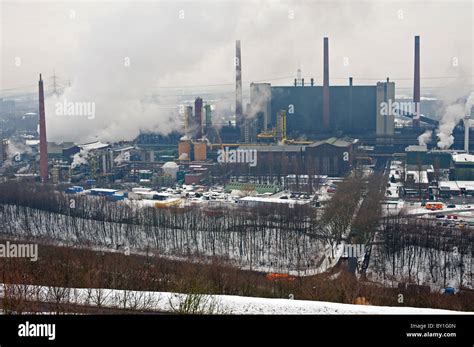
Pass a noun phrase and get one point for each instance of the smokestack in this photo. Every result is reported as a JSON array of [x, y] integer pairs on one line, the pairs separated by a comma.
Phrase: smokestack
[[351, 121], [238, 84], [326, 85], [198, 117], [312, 81], [416, 85], [42, 130], [296, 82], [302, 82], [467, 123]]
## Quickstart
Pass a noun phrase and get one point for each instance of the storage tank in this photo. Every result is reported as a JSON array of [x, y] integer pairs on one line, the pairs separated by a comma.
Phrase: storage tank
[[200, 151], [171, 169], [184, 150]]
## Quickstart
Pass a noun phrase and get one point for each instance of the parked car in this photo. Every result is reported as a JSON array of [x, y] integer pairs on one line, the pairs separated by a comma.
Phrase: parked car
[[451, 206], [440, 216]]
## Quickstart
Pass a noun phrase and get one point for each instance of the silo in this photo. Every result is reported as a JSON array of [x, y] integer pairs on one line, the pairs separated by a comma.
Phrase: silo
[[170, 168]]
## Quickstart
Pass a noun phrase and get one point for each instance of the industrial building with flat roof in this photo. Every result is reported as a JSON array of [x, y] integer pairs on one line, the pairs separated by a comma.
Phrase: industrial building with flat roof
[[354, 109], [331, 157]]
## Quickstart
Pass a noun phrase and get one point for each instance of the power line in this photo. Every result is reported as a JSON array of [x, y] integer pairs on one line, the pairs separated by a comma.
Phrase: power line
[[55, 84]]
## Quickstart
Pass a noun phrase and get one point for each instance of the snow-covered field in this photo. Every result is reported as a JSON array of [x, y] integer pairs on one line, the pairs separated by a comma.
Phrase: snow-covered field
[[215, 304]]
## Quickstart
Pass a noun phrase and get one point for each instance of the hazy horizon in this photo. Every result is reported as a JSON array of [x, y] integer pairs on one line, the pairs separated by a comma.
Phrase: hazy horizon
[[116, 54]]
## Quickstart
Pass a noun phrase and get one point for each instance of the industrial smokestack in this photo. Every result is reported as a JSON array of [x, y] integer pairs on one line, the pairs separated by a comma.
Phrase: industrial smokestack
[[42, 133], [302, 82], [416, 84], [326, 85], [351, 121], [467, 124], [238, 85], [312, 81], [198, 117]]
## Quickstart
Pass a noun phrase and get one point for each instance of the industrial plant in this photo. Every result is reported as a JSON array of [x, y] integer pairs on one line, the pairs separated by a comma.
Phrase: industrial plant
[[328, 185], [302, 128]]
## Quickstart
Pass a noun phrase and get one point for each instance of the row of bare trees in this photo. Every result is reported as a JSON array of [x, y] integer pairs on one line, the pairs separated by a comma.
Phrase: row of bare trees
[[280, 238], [422, 252], [340, 211]]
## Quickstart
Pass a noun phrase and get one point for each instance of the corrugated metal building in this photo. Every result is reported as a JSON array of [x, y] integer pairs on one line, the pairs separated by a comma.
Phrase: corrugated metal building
[[354, 109]]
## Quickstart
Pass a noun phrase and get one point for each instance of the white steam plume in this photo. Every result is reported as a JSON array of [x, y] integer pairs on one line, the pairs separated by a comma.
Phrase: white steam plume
[[469, 104], [117, 71], [451, 117], [80, 158], [424, 138]]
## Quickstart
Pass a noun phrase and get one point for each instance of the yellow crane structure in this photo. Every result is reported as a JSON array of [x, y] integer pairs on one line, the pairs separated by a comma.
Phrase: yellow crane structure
[[278, 134]]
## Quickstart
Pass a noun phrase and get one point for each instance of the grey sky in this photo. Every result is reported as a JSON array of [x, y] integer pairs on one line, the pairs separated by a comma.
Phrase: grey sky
[[88, 43], [372, 35]]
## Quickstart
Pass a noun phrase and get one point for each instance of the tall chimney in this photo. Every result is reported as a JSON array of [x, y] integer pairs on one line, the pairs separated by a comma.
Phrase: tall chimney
[[42, 133], [238, 84], [198, 117], [351, 121], [467, 123], [326, 85], [416, 85]]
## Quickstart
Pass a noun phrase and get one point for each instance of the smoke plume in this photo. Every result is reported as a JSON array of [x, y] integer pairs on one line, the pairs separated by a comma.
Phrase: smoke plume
[[425, 138], [452, 115]]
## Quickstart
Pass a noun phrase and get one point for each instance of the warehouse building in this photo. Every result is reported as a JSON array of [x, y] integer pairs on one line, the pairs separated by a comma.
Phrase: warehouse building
[[463, 167], [332, 157], [420, 155], [354, 109]]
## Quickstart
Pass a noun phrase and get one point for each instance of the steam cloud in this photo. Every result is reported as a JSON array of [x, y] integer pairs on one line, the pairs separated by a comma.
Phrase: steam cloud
[[80, 158], [121, 74], [199, 48], [425, 138], [452, 115]]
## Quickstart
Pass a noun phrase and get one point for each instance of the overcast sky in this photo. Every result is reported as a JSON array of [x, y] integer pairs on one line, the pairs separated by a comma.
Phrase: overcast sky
[[124, 50], [375, 36]]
